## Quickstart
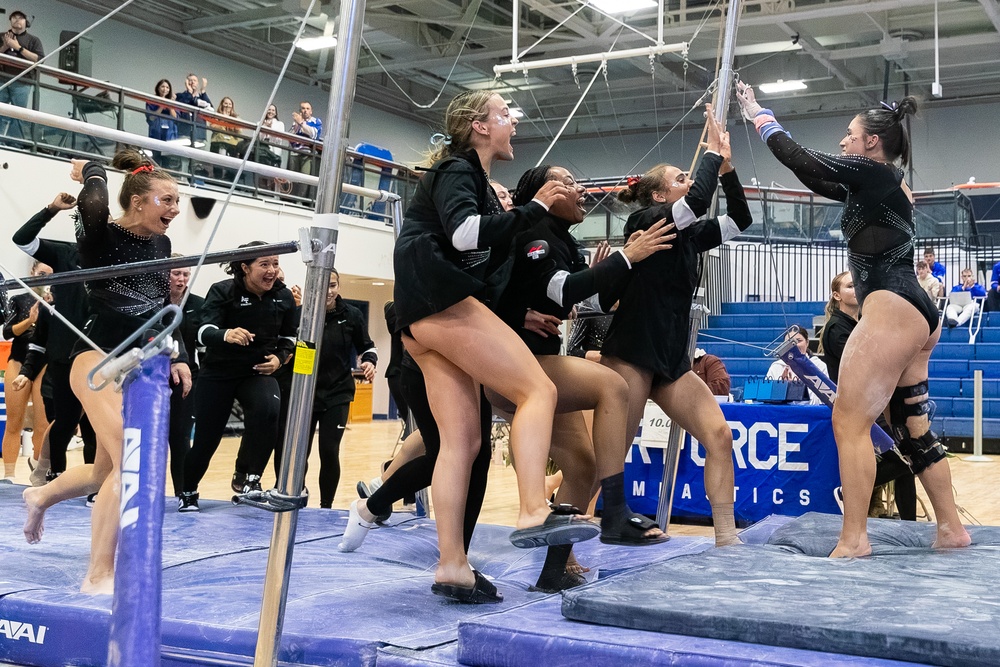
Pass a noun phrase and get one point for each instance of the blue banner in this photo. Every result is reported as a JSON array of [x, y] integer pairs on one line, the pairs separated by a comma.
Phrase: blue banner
[[784, 456]]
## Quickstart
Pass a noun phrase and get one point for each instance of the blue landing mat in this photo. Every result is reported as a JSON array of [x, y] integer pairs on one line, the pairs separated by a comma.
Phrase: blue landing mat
[[545, 637], [907, 602], [341, 607]]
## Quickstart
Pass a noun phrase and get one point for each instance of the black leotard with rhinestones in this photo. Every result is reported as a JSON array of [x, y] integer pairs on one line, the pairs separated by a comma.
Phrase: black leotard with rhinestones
[[118, 306], [877, 219]]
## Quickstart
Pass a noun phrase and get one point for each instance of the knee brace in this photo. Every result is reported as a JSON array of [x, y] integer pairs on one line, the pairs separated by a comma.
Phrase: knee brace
[[918, 452]]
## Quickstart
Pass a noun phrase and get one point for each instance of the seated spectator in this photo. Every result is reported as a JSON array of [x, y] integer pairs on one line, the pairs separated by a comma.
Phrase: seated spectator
[[225, 137], [938, 269], [993, 298], [779, 370], [957, 314], [162, 121], [931, 285], [712, 372]]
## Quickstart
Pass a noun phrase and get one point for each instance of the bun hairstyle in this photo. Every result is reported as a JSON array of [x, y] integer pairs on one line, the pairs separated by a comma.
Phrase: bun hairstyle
[[530, 183], [140, 172], [887, 123], [465, 109], [640, 189], [235, 268]]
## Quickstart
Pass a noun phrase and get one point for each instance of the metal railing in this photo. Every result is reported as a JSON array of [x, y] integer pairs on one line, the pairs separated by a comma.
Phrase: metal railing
[[101, 104], [802, 271]]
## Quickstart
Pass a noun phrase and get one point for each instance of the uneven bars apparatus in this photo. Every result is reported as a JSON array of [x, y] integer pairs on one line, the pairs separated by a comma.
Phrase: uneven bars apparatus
[[673, 450], [319, 252], [79, 127]]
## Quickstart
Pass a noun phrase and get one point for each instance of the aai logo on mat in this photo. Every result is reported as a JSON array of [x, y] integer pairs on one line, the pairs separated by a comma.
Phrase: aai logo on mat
[[15, 630]]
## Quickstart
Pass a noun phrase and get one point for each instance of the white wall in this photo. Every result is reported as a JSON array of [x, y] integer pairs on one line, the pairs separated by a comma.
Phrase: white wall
[[364, 250]]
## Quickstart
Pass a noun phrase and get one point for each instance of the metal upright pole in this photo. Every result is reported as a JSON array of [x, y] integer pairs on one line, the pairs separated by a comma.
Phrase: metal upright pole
[[723, 91], [320, 252]]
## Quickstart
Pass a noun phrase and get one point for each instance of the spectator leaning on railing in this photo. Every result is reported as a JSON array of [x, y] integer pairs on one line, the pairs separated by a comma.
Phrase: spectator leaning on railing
[[195, 97], [305, 125], [17, 43], [162, 121]]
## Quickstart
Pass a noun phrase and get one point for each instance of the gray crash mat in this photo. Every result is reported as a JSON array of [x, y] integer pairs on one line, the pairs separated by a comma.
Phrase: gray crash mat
[[907, 602]]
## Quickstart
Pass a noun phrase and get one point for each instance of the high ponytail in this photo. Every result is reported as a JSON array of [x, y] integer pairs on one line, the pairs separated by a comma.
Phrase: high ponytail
[[888, 123]]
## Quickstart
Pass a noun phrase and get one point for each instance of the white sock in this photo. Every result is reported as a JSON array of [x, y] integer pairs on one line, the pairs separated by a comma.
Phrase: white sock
[[374, 485], [356, 531]]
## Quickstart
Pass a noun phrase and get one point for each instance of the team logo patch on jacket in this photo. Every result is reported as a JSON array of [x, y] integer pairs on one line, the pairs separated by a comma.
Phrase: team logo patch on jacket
[[537, 250]]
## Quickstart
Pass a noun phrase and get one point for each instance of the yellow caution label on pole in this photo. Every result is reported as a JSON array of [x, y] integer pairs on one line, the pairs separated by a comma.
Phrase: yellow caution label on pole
[[305, 358]]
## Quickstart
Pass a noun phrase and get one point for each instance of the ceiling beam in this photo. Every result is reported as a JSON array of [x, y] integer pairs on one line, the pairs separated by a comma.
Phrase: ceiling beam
[[246, 19], [875, 50], [816, 50]]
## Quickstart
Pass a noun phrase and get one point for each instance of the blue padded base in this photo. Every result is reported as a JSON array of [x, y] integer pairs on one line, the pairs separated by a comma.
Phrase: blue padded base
[[342, 608], [540, 635], [907, 602]]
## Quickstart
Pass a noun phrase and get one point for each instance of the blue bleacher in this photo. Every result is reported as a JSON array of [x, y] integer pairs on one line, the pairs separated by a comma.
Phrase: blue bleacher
[[951, 366]]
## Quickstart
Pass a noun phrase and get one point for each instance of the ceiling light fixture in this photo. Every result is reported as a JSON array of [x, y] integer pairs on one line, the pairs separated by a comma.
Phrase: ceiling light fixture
[[317, 43], [782, 86], [623, 6]]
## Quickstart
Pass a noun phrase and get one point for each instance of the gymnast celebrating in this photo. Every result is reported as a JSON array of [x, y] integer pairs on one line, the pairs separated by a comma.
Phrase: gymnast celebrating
[[118, 307], [647, 342], [455, 239], [550, 276], [885, 358]]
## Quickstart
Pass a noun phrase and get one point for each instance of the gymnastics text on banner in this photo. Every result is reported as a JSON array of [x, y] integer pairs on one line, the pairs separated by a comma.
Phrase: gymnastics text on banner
[[785, 460]]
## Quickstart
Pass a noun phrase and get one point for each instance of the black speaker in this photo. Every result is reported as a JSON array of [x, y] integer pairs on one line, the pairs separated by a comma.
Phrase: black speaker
[[77, 57], [202, 206]]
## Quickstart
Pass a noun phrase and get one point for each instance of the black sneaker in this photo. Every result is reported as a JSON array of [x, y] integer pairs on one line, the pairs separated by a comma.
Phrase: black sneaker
[[90, 499], [239, 482], [188, 502], [252, 484]]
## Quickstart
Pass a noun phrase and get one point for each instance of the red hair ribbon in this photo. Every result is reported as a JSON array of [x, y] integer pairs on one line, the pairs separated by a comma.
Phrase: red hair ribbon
[[139, 170], [632, 180]]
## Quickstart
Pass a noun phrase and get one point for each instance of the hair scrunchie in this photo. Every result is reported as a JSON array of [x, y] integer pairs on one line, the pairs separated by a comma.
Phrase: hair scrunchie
[[145, 167]]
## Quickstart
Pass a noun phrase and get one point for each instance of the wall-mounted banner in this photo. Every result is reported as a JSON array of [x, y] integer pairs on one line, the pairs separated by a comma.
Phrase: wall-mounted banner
[[784, 456]]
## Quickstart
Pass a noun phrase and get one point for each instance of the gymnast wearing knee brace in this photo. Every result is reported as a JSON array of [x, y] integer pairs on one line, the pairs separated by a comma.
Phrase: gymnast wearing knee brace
[[550, 276], [647, 342], [885, 359], [118, 307]]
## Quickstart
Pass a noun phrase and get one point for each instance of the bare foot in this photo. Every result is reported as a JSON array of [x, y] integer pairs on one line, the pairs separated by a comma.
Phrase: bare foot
[[103, 586], [727, 540], [538, 517], [847, 550], [574, 567], [34, 525], [455, 575], [951, 538]]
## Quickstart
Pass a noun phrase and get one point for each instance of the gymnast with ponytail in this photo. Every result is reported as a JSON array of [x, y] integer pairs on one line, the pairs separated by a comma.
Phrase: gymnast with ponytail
[[647, 342], [885, 359], [118, 307]]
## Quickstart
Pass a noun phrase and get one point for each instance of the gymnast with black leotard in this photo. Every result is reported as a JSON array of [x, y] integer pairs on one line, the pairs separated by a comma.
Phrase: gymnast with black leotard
[[118, 307], [885, 359]]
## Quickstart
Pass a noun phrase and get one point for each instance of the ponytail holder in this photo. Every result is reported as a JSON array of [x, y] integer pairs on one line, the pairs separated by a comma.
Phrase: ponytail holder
[[894, 107], [145, 167], [632, 181], [440, 139]]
